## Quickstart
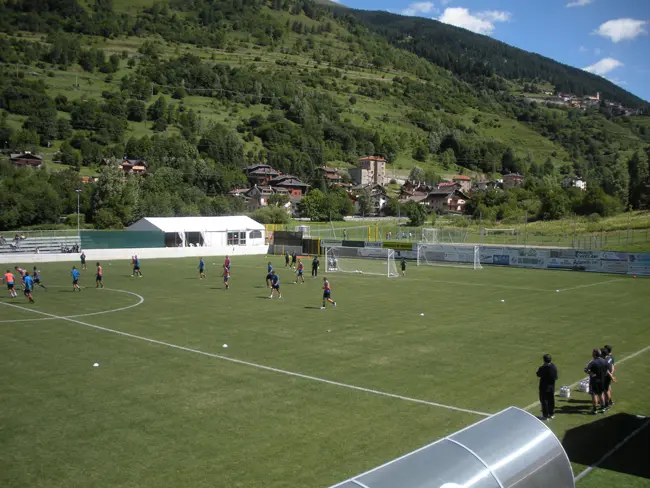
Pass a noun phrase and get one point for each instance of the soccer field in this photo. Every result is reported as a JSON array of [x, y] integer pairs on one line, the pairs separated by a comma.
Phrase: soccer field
[[302, 397]]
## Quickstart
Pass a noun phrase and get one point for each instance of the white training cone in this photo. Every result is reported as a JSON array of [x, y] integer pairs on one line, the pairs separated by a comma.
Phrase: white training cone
[[95, 365], [225, 346]]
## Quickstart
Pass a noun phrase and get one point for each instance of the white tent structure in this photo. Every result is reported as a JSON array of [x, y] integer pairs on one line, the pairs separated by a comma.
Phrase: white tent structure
[[239, 233]]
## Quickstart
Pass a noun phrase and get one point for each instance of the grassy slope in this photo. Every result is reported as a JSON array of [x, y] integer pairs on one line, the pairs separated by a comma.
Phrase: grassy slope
[[510, 131], [152, 416]]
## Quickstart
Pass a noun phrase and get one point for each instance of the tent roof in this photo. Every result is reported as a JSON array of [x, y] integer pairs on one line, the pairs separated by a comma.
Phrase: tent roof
[[196, 224]]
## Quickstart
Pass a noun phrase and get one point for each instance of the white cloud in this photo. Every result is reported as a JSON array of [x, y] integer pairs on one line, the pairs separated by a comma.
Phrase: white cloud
[[445, 2], [479, 22], [604, 66], [579, 3], [418, 8], [622, 29]]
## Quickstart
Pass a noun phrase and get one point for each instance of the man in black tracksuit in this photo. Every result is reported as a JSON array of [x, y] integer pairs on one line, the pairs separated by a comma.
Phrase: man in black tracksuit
[[314, 267], [547, 374]]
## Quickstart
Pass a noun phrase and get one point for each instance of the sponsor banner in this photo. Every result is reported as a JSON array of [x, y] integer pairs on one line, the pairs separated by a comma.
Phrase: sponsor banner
[[639, 258], [562, 253], [588, 254], [374, 244], [330, 243], [613, 256], [406, 246], [501, 259], [557, 263], [353, 243], [613, 266], [527, 261], [410, 255], [639, 264]]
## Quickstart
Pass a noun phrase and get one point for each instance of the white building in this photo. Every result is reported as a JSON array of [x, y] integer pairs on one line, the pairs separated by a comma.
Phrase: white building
[[236, 234], [574, 182]]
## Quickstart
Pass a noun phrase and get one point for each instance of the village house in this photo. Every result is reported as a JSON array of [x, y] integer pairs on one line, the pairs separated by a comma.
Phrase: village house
[[25, 159], [465, 182], [260, 174], [414, 191], [574, 182], [128, 166], [372, 169], [295, 187], [378, 195], [513, 180], [443, 200], [331, 176]]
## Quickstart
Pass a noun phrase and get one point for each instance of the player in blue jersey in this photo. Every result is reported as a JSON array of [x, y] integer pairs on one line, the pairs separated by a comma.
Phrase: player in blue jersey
[[28, 284], [136, 267], [201, 268], [275, 285], [269, 274], [75, 279], [37, 278]]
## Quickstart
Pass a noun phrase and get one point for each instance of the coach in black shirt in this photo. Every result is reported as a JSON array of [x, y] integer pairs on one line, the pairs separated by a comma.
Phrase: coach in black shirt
[[597, 369], [547, 374]]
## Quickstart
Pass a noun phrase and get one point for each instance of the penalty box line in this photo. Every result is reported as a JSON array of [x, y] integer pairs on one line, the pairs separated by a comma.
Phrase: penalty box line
[[253, 365]]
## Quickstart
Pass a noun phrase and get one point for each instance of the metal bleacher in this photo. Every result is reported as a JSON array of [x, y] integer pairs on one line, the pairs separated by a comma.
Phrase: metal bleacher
[[39, 245]]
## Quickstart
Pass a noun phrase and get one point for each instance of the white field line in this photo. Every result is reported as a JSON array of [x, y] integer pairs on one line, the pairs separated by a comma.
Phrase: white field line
[[610, 453], [252, 365], [572, 385], [121, 309], [592, 284]]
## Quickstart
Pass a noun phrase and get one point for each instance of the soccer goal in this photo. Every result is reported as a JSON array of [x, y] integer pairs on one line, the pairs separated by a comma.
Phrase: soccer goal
[[362, 260], [449, 255], [430, 236]]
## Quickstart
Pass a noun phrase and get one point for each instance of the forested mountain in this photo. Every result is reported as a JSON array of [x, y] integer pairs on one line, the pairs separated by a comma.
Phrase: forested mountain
[[471, 56], [202, 88]]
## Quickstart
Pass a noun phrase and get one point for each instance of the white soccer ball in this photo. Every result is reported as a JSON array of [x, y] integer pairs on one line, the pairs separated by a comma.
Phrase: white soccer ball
[[557, 291], [95, 365], [225, 346], [421, 315], [503, 300]]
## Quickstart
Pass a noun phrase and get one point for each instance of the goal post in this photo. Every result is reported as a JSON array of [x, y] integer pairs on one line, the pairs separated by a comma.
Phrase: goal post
[[430, 236], [449, 255], [361, 260]]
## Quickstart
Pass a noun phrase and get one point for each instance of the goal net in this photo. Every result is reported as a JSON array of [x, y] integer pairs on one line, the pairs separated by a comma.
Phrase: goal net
[[449, 255], [430, 236], [363, 260], [499, 232]]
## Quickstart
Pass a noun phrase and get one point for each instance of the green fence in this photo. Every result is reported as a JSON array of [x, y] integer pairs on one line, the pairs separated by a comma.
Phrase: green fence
[[121, 239]]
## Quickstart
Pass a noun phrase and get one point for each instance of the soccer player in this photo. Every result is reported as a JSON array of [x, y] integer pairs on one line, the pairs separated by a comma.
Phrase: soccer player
[[293, 259], [226, 276], [201, 268], [327, 293], [37, 278], [610, 374], [300, 271], [269, 274], [136, 267], [21, 272], [547, 374], [226, 263], [314, 267], [403, 265], [286, 259], [83, 260], [10, 281], [275, 284], [597, 370], [75, 279], [28, 283], [99, 279]]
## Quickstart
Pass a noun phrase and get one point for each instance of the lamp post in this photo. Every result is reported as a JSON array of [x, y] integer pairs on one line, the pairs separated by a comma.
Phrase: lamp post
[[78, 207]]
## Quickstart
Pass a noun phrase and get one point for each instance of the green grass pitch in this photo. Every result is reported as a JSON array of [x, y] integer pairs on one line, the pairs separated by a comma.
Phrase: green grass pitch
[[166, 409]]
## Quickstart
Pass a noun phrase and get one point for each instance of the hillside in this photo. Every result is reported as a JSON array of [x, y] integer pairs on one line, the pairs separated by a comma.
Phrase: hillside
[[201, 89], [472, 56]]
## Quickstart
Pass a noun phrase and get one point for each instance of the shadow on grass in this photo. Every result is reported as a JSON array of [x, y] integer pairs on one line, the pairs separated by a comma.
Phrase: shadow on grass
[[312, 308], [588, 443]]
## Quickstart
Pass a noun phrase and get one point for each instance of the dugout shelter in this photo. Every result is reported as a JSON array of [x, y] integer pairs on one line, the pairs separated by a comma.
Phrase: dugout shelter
[[512, 448], [213, 232]]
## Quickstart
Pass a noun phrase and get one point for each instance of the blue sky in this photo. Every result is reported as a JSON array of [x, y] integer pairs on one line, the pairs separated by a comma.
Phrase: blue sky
[[608, 37]]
